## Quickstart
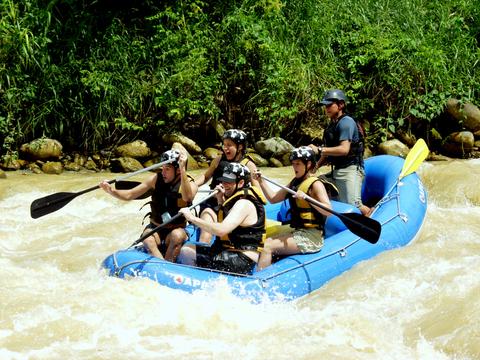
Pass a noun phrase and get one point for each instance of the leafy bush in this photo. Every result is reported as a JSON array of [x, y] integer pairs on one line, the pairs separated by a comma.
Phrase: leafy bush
[[93, 74]]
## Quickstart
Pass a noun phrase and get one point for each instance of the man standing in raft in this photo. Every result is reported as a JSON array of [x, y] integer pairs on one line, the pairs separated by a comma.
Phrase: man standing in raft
[[344, 146], [240, 229], [173, 189]]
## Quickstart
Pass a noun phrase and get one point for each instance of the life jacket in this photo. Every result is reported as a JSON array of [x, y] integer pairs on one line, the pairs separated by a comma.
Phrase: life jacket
[[221, 166], [303, 213], [331, 137], [249, 237], [167, 198]]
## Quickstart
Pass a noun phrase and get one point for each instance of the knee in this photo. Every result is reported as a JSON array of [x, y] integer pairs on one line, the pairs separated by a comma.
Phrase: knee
[[187, 255], [150, 242], [177, 237], [268, 246]]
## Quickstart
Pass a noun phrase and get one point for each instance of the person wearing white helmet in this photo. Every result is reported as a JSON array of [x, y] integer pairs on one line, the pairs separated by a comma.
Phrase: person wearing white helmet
[[171, 190], [343, 148], [307, 220], [240, 229], [234, 150]]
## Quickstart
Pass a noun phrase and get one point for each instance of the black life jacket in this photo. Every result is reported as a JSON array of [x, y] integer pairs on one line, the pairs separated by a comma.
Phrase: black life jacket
[[331, 137], [167, 198], [250, 237], [303, 213], [221, 166]]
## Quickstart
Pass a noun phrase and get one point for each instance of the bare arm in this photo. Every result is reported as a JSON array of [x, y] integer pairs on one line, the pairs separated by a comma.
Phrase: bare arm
[[253, 169], [242, 213], [341, 150], [207, 175], [319, 193], [271, 195], [188, 187], [133, 193]]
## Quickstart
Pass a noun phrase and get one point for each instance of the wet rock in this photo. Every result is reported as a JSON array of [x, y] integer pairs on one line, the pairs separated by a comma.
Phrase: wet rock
[[91, 165], [285, 159], [125, 164], [52, 167], [11, 163], [42, 149], [2, 174], [211, 153], [472, 117], [136, 149], [454, 108], [273, 147], [192, 163], [393, 147], [72, 166], [407, 138], [258, 160], [459, 144], [186, 142], [219, 128], [438, 157], [34, 168], [275, 162]]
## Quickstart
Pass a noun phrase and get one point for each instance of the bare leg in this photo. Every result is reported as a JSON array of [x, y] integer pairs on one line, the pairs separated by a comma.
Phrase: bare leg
[[174, 241], [151, 243], [207, 215], [283, 245]]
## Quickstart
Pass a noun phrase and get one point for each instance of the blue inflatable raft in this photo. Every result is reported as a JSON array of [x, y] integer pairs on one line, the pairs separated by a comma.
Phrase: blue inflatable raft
[[400, 208]]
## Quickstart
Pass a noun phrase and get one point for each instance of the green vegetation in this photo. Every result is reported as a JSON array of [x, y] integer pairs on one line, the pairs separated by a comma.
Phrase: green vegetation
[[94, 73]]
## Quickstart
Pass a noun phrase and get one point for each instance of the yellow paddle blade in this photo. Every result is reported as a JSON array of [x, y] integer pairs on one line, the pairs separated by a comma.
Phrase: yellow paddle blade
[[274, 227], [415, 157]]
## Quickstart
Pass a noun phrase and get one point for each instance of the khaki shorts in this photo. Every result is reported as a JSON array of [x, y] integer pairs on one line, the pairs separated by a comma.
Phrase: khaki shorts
[[349, 183], [308, 240]]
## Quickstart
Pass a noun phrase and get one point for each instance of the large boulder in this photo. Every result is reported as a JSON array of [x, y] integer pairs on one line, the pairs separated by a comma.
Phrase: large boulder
[[125, 164], [186, 142], [459, 144], [393, 147], [258, 160], [52, 167], [211, 153], [42, 149], [472, 117], [454, 108], [136, 149], [273, 147], [192, 163]]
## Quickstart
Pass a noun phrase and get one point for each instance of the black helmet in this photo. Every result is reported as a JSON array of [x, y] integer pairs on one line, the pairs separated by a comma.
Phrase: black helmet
[[331, 96], [234, 172], [173, 155], [304, 153], [237, 136]]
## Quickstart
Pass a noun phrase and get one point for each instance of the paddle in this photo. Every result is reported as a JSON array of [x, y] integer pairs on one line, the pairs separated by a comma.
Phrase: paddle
[[127, 185], [153, 231], [367, 228], [414, 159], [54, 202]]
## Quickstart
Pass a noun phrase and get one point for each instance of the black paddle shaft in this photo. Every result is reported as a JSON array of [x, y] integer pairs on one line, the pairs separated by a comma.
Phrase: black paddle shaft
[[156, 229], [367, 228], [51, 203]]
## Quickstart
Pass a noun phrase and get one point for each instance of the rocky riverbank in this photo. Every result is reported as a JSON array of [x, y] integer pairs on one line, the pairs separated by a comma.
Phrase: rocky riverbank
[[46, 155]]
